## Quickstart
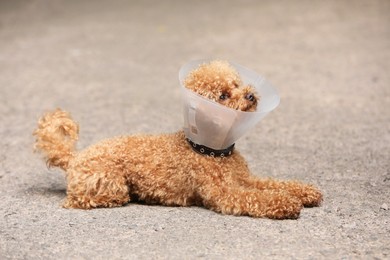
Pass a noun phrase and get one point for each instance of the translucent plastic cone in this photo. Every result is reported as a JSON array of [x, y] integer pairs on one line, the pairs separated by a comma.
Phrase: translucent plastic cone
[[213, 125]]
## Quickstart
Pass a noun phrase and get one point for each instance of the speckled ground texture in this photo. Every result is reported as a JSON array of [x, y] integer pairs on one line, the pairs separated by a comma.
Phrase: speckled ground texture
[[114, 65]]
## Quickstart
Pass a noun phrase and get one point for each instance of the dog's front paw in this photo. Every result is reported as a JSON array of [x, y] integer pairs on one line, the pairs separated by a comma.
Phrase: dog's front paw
[[309, 195], [284, 206], [312, 197]]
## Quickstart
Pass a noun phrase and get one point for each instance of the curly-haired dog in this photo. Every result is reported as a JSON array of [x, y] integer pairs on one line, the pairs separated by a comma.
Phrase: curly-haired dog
[[164, 169]]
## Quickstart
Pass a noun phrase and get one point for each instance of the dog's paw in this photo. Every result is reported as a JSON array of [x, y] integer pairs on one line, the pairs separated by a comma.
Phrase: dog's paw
[[309, 195], [73, 203], [284, 206]]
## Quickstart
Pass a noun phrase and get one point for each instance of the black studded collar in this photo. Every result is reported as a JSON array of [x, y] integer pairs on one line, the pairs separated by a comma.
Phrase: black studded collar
[[204, 150]]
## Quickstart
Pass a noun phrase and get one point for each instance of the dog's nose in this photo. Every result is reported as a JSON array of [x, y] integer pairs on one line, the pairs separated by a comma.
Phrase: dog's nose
[[250, 97]]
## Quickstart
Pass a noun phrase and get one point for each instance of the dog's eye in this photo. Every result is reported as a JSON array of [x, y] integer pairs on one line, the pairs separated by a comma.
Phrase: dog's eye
[[224, 96], [250, 97]]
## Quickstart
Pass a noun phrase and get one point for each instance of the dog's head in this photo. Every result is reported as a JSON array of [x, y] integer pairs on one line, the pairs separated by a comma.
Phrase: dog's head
[[220, 82]]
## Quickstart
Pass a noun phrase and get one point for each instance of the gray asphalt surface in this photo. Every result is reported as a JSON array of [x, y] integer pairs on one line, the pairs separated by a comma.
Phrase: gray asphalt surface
[[114, 65]]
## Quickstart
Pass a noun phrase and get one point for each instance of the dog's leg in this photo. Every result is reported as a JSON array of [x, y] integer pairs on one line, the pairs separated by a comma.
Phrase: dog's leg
[[239, 201], [96, 190], [309, 195]]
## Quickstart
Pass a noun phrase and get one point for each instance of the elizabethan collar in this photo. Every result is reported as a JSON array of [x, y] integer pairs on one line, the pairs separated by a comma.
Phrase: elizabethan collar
[[216, 126]]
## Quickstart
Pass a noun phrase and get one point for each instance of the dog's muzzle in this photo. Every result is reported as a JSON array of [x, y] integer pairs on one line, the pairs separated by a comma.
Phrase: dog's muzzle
[[204, 150]]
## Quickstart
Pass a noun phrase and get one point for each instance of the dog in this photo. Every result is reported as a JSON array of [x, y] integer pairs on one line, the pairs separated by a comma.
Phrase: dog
[[164, 169]]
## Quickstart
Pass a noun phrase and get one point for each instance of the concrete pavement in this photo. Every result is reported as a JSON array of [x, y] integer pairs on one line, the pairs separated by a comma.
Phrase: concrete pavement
[[114, 65]]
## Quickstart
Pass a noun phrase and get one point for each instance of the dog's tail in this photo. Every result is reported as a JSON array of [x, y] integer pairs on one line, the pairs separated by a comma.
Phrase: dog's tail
[[56, 137]]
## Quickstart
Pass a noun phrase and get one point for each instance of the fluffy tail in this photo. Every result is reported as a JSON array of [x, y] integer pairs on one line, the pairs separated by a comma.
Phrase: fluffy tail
[[56, 137]]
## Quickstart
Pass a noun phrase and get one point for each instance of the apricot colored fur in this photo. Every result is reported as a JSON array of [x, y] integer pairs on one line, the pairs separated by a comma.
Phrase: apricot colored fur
[[163, 169]]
